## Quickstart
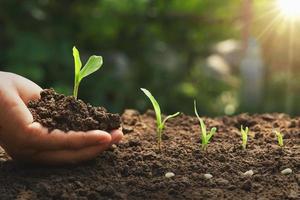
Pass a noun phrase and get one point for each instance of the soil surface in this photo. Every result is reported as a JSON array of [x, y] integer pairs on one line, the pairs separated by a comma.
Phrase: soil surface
[[135, 169], [56, 111]]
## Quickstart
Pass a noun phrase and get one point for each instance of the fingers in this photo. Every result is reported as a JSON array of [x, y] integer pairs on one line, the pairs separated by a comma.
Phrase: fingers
[[59, 140], [15, 94], [27, 89], [14, 112], [75, 156], [116, 136], [69, 156]]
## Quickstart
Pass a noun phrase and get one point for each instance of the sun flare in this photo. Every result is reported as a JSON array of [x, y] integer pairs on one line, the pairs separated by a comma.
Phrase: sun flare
[[289, 8]]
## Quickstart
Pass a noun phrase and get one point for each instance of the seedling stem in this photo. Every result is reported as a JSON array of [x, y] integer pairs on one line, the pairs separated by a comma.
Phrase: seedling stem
[[160, 124], [244, 133], [279, 136], [205, 138]]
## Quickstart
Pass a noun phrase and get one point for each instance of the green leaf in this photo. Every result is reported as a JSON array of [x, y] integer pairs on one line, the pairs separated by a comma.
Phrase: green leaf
[[169, 117], [77, 61], [155, 106], [247, 130], [279, 138], [244, 133], [93, 64], [204, 136], [203, 127], [212, 132]]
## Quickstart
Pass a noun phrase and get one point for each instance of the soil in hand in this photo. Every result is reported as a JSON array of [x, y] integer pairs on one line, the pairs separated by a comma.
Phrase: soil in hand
[[57, 111]]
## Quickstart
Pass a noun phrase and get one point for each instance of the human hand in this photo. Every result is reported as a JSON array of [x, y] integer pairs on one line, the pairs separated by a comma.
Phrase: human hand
[[28, 141]]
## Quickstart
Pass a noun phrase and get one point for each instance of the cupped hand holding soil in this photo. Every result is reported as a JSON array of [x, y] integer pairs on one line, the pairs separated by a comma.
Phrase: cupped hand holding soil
[[26, 140]]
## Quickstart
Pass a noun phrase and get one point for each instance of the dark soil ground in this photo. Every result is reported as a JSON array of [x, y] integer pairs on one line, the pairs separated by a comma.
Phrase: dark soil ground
[[135, 169], [56, 111]]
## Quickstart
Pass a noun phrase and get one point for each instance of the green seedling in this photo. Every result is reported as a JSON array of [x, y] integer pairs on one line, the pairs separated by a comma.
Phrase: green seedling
[[279, 138], [160, 124], [205, 138], [93, 64], [244, 133]]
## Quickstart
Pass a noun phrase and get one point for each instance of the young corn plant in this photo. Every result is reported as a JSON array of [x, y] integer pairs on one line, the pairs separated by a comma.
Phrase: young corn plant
[[205, 137], [279, 136], [244, 133], [93, 64], [160, 124]]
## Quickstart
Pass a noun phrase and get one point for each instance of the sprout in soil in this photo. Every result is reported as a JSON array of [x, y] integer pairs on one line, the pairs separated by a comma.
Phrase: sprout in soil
[[279, 138], [93, 64], [205, 138], [159, 122], [244, 133]]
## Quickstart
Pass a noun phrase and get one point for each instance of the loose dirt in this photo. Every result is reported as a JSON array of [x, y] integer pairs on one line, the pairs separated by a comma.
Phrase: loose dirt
[[57, 111], [135, 169]]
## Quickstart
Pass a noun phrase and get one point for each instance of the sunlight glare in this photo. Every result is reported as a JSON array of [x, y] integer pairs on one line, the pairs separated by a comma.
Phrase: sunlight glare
[[289, 8]]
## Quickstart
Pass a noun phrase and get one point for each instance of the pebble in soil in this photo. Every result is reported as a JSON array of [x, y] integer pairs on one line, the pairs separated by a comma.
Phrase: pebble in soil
[[207, 176], [169, 175], [57, 111], [286, 171], [248, 173]]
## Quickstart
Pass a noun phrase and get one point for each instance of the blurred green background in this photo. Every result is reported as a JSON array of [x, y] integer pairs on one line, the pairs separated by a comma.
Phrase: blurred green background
[[179, 50]]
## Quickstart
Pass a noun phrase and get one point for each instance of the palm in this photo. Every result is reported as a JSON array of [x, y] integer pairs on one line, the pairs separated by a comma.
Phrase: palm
[[25, 140]]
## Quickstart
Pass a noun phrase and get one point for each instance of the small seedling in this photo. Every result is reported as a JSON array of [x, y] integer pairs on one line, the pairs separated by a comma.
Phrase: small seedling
[[159, 122], [244, 133], [205, 138], [279, 138], [93, 64]]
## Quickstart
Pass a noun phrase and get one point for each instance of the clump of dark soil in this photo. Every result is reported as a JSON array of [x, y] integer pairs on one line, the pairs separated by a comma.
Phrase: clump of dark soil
[[135, 169], [57, 111]]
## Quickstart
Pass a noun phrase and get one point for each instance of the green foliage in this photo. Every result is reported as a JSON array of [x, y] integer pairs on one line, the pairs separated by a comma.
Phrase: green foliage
[[151, 43], [279, 136], [244, 133], [205, 137], [93, 64], [160, 124]]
